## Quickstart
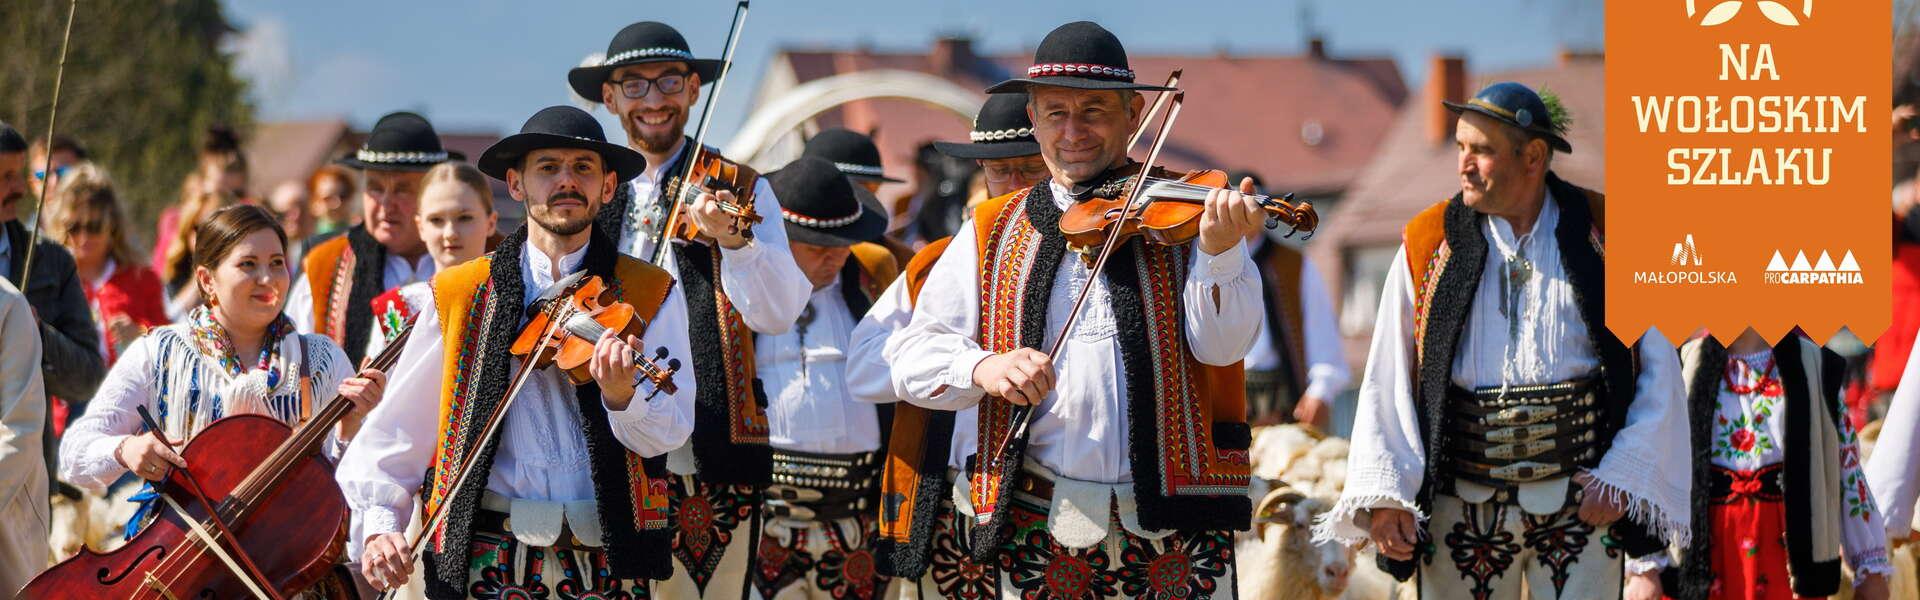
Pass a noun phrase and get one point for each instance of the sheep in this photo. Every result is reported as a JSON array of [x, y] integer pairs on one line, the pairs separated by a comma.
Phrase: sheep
[[1284, 562]]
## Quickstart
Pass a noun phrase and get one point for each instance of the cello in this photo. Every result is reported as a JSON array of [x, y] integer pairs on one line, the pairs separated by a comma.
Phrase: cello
[[268, 519]]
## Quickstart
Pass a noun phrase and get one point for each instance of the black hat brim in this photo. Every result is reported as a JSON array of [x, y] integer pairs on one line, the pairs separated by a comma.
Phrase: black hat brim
[[1554, 140], [1070, 81], [880, 178], [988, 150], [586, 80], [506, 153], [352, 161], [871, 225]]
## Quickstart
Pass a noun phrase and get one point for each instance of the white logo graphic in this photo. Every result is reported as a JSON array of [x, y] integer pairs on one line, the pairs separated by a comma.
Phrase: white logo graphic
[[1725, 10], [1684, 268], [1684, 252], [1820, 272]]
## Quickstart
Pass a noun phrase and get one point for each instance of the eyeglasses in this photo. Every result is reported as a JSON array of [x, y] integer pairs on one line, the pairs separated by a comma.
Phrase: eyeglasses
[[1002, 173], [41, 175], [86, 227], [635, 88]]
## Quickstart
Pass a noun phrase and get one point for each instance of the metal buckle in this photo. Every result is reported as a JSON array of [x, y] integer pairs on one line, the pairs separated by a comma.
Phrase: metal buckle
[[792, 493], [1520, 450], [1524, 472], [1514, 435], [781, 509], [1522, 415]]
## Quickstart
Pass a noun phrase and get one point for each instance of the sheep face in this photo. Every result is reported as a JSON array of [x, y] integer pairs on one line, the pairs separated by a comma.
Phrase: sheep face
[[1285, 521]]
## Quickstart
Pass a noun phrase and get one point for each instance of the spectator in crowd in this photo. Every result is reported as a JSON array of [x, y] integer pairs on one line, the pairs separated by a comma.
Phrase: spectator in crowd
[[288, 202], [332, 188], [124, 294], [67, 152], [218, 180]]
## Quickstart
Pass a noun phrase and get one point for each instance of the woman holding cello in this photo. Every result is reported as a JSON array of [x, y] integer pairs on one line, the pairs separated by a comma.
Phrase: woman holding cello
[[237, 354]]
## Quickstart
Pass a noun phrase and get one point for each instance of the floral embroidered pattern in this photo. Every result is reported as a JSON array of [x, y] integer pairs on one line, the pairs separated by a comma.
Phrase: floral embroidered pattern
[[1558, 539], [848, 572], [1855, 496], [1482, 550], [1747, 436], [955, 574], [509, 570], [1184, 567], [781, 564], [494, 556], [704, 520], [1042, 569]]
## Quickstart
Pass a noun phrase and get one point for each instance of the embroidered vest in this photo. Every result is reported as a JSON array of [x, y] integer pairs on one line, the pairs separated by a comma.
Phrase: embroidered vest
[[1812, 378], [630, 490], [1188, 435], [345, 274], [913, 479], [730, 407]]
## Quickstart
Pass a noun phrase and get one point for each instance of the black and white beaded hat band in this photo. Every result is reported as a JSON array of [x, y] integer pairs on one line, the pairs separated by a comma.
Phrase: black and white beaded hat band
[[1000, 130], [400, 141], [640, 43]]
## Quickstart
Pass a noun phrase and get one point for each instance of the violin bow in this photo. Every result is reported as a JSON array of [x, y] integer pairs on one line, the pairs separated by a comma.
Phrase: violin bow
[[46, 165], [1160, 101], [495, 419], [700, 131], [245, 569], [1023, 414]]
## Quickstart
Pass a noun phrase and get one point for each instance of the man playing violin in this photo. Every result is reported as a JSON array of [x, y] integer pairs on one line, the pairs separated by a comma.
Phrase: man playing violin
[[1505, 439], [570, 496], [739, 281], [1140, 414]]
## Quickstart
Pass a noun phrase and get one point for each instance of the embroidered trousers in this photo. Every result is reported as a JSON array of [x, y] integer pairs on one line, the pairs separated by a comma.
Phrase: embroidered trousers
[[813, 560], [1492, 550], [714, 529], [1035, 566]]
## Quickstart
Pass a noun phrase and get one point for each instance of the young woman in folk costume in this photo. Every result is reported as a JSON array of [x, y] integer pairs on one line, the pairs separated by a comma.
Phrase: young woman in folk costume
[[236, 354], [456, 219], [1780, 500]]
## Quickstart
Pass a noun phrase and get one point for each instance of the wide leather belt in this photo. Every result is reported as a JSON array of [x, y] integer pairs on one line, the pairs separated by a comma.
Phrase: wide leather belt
[[821, 487], [1502, 437], [826, 471]]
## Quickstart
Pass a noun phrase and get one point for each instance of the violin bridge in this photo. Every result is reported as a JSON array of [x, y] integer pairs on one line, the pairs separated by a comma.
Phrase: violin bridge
[[158, 587]]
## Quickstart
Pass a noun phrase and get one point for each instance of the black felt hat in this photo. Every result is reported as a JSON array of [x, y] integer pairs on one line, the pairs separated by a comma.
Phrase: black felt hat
[[821, 207], [560, 127], [1081, 55], [401, 141], [1516, 105], [851, 152], [640, 43], [1002, 130]]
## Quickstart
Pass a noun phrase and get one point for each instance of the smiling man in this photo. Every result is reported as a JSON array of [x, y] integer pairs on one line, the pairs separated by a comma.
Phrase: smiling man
[[567, 500], [739, 282], [343, 275]]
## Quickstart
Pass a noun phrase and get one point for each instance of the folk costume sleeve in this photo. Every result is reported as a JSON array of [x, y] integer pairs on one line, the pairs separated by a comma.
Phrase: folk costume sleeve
[[1636, 468], [383, 468], [87, 450], [1327, 374], [300, 305], [934, 356], [1863, 533], [1387, 458], [653, 427], [761, 278], [1893, 474], [869, 376], [1222, 296]]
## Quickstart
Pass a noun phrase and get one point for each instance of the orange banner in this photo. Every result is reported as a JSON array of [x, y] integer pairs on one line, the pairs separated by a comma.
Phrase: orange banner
[[1748, 166]]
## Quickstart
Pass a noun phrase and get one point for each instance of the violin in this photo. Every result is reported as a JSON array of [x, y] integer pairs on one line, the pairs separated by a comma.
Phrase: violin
[[1167, 210], [567, 323], [715, 174], [256, 513]]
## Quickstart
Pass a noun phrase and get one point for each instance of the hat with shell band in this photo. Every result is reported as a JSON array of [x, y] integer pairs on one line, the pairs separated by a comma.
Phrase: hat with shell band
[[1081, 55], [1001, 130], [640, 43], [401, 141]]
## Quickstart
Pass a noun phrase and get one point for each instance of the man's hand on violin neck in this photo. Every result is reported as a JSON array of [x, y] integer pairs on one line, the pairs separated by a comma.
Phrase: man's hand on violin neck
[[1023, 377], [614, 369], [1230, 216], [387, 561], [726, 230]]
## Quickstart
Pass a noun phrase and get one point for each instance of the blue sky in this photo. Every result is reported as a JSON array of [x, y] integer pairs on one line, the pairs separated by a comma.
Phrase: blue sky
[[488, 64]]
